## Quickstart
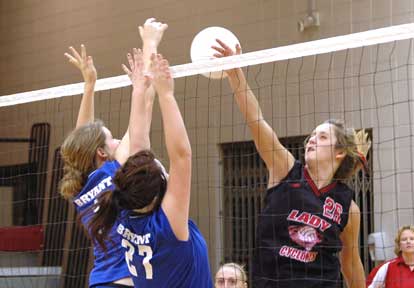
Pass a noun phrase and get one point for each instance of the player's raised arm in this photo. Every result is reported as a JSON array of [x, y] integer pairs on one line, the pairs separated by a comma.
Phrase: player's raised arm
[[277, 158], [151, 33], [85, 64], [176, 202], [138, 128]]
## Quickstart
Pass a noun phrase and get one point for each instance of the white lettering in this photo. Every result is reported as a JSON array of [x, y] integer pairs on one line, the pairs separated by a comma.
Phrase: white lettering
[[78, 202], [94, 192], [132, 237]]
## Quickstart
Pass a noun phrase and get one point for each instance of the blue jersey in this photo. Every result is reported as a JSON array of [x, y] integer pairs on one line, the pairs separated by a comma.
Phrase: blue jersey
[[111, 266], [156, 258]]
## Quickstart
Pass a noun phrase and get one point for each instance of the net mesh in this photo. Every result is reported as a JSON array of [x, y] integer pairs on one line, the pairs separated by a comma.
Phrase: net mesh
[[297, 86]]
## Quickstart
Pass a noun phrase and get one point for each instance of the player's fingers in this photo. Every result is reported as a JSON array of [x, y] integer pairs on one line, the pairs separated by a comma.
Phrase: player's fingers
[[164, 27], [222, 44], [238, 49], [90, 60], [126, 70], [70, 57], [75, 53], [130, 61], [149, 20], [218, 49], [83, 52]]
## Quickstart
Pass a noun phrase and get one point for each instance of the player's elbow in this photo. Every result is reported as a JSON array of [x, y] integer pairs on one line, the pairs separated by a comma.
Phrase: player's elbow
[[183, 149], [181, 153], [185, 153]]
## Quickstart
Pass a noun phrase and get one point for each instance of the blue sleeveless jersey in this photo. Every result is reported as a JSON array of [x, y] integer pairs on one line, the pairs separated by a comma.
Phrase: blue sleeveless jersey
[[157, 259], [111, 266]]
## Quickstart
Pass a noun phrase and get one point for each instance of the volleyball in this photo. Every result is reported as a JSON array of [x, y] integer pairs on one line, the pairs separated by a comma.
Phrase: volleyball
[[201, 46]]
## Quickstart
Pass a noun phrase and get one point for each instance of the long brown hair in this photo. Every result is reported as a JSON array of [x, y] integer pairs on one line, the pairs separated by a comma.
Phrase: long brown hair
[[355, 146], [78, 152], [140, 182]]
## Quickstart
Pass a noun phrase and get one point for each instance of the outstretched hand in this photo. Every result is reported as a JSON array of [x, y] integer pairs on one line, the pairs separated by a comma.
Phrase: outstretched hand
[[161, 75], [363, 142], [135, 72], [152, 31], [224, 51], [83, 62]]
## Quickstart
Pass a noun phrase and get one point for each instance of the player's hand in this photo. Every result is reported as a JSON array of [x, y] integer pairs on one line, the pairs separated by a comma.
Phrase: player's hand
[[84, 63], [151, 32], [223, 51], [135, 72], [161, 75], [363, 142]]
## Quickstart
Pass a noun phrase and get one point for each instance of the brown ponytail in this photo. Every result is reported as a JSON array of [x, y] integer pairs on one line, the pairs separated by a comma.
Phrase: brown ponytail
[[107, 211], [355, 146], [140, 183], [78, 152]]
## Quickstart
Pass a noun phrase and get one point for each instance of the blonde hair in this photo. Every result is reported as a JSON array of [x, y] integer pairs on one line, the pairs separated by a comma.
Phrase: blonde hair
[[397, 240], [237, 267], [355, 146], [78, 153]]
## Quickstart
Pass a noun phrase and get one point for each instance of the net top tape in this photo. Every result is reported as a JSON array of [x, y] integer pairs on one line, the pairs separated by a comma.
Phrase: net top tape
[[350, 41]]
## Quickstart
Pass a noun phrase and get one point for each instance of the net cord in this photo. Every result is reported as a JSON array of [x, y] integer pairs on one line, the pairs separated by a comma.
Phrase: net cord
[[322, 46]]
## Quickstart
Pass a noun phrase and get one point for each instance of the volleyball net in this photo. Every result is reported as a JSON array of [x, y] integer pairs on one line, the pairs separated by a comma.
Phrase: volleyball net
[[364, 78]]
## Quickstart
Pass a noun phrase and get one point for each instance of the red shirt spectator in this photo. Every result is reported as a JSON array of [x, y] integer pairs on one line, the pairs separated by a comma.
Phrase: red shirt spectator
[[398, 275], [398, 272]]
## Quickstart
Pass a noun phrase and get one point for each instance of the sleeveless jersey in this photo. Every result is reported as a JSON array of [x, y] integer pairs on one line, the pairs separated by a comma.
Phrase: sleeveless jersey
[[111, 266], [156, 258], [297, 242]]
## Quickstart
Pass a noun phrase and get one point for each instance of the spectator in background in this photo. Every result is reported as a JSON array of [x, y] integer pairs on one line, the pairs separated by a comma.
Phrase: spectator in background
[[398, 272], [231, 275]]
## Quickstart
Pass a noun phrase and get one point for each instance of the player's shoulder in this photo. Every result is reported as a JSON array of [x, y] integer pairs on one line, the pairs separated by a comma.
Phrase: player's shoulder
[[342, 192], [294, 176], [296, 172], [341, 186], [110, 166]]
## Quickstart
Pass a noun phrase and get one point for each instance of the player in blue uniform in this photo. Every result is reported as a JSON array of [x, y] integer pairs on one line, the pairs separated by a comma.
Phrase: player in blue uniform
[[92, 157], [308, 229], [163, 247]]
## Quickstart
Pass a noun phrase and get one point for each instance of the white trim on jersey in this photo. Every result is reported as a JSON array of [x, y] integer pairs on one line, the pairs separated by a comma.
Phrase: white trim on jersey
[[380, 276]]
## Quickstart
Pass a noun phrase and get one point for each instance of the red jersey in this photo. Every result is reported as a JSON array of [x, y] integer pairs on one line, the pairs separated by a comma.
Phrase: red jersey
[[394, 273]]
